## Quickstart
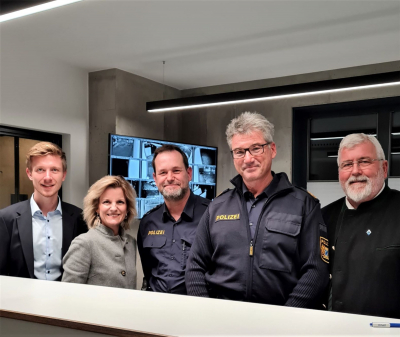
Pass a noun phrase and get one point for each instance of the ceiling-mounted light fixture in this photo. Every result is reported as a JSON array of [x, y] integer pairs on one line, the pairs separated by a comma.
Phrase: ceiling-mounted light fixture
[[331, 138], [286, 91], [36, 9]]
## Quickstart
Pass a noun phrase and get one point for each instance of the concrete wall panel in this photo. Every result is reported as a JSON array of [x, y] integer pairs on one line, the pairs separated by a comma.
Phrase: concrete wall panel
[[102, 120]]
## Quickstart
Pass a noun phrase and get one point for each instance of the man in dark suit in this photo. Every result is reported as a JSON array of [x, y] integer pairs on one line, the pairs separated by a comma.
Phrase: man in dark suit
[[35, 234], [364, 233]]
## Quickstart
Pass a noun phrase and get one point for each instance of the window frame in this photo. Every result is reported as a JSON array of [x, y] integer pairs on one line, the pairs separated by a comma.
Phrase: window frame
[[301, 117]]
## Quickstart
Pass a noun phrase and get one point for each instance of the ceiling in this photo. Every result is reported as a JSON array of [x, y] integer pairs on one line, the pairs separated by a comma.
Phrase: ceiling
[[208, 43]]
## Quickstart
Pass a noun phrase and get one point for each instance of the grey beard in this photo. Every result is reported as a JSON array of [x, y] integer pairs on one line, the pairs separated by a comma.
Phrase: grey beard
[[176, 195], [371, 185], [358, 195]]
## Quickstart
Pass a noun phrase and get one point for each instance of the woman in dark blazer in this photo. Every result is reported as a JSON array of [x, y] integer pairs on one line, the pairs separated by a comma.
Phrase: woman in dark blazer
[[105, 255]]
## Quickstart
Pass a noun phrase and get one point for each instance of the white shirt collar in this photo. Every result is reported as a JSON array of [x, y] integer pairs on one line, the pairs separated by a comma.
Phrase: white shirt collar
[[349, 206], [35, 207]]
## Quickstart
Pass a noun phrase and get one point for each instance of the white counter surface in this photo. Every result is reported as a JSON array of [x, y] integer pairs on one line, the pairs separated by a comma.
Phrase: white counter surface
[[176, 315]]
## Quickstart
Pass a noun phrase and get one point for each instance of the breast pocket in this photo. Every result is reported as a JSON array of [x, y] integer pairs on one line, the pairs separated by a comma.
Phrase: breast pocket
[[186, 246], [280, 241], [154, 241], [387, 257]]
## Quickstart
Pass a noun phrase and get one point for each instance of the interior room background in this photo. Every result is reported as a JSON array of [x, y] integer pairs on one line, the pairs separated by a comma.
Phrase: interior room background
[[42, 93]]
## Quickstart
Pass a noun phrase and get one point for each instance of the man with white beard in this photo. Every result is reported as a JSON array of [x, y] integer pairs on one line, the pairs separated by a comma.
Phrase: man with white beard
[[166, 233], [364, 233]]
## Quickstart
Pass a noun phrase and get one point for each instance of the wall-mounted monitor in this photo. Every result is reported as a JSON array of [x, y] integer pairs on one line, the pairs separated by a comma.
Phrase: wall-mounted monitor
[[131, 158]]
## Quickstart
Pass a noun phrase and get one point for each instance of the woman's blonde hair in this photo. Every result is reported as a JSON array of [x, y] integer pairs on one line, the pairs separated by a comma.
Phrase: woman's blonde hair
[[92, 199]]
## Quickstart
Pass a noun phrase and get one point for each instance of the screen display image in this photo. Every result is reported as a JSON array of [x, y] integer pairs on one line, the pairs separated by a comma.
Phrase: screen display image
[[131, 158]]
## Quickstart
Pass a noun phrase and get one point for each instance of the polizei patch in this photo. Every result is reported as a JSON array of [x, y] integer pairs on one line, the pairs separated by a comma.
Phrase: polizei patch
[[227, 217]]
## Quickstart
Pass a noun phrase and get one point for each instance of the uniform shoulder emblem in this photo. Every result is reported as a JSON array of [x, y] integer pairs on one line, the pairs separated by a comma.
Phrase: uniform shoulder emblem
[[152, 210], [324, 245], [223, 192]]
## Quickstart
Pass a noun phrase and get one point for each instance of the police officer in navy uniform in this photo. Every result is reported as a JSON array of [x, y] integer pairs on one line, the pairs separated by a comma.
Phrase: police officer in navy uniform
[[167, 232], [265, 240]]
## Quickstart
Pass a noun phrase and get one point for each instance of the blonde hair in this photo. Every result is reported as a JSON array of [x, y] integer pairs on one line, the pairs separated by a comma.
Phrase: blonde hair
[[92, 199], [45, 149]]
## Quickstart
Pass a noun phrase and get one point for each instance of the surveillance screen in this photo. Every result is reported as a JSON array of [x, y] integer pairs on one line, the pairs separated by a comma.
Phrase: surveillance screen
[[131, 158]]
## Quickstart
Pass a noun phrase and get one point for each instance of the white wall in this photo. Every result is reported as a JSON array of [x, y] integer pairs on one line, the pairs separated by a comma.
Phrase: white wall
[[328, 192], [46, 94]]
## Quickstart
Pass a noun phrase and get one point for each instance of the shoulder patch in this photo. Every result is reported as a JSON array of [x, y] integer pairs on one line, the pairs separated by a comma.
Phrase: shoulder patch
[[152, 210], [223, 192], [323, 243], [303, 189]]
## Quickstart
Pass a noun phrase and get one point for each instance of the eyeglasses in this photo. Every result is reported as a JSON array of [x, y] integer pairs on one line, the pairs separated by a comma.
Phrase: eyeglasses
[[254, 150], [362, 163]]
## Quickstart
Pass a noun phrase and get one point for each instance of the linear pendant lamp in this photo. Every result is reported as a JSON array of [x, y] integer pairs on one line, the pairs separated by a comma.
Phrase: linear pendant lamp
[[292, 90], [35, 9]]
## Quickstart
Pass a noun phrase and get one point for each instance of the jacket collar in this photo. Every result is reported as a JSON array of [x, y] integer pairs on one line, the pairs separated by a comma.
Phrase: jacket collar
[[378, 201], [109, 232], [279, 183], [188, 211]]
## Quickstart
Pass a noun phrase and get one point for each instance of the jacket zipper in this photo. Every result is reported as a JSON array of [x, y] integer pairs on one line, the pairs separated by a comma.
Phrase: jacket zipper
[[253, 242], [251, 252], [251, 247]]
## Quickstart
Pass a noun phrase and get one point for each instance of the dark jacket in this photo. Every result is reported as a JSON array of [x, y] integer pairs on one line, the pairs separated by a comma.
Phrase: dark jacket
[[16, 243], [164, 244], [286, 267], [365, 264]]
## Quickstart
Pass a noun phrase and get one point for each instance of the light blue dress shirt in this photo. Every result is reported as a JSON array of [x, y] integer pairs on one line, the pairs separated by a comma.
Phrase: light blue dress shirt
[[47, 242]]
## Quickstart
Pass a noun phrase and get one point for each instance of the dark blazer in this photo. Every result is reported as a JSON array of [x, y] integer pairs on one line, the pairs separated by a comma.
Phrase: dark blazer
[[365, 264], [16, 244]]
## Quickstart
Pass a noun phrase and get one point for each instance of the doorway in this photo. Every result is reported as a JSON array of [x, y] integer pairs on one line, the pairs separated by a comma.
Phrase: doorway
[[14, 144]]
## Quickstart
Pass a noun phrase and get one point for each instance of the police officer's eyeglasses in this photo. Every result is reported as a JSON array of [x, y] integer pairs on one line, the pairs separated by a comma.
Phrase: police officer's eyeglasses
[[254, 150], [361, 163]]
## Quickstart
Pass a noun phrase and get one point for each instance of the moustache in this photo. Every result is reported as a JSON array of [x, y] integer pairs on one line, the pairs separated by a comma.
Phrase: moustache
[[353, 179], [175, 184]]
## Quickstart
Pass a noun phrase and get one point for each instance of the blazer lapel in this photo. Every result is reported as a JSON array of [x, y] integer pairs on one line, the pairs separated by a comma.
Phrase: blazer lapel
[[68, 228], [24, 225]]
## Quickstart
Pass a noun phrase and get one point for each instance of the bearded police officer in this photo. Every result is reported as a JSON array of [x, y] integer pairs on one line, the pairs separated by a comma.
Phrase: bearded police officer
[[265, 240], [364, 232], [166, 233]]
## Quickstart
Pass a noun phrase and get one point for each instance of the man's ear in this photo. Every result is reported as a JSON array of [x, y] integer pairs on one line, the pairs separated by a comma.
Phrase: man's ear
[[273, 150], [29, 174], [385, 168], [190, 173], [64, 175]]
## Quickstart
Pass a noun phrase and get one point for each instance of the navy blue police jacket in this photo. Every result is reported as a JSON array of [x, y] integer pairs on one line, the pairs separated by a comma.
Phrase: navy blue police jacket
[[285, 264]]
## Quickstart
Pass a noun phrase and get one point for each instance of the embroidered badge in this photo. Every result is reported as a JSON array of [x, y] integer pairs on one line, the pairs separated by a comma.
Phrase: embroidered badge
[[227, 217], [368, 232], [323, 243], [158, 232]]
